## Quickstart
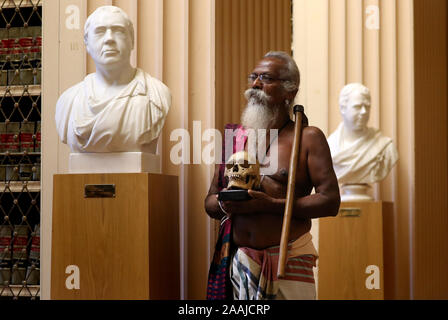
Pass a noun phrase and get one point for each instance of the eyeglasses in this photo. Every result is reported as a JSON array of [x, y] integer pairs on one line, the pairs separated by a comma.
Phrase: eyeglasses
[[264, 78]]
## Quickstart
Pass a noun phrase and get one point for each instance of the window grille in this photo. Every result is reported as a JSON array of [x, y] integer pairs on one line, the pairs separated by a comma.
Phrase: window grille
[[20, 147]]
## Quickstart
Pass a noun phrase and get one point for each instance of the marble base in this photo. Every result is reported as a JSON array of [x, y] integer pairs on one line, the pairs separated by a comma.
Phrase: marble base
[[121, 162], [355, 192]]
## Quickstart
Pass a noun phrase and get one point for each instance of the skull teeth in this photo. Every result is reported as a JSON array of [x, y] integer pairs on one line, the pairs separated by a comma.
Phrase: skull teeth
[[236, 177], [233, 177]]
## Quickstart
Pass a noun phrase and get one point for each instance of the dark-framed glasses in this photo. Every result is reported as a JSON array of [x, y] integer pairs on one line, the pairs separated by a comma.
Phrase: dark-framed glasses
[[264, 78]]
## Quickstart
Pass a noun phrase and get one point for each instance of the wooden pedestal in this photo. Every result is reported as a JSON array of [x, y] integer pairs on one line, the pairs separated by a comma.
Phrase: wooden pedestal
[[349, 243], [126, 247]]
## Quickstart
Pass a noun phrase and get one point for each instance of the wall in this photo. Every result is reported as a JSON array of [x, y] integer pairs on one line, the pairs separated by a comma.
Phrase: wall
[[63, 48], [341, 41], [245, 31], [430, 258]]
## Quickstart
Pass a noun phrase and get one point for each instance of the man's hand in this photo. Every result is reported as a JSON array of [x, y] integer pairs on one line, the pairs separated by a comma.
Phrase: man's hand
[[260, 203]]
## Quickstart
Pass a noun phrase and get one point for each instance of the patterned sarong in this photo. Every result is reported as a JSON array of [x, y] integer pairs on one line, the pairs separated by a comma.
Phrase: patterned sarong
[[254, 272], [219, 286]]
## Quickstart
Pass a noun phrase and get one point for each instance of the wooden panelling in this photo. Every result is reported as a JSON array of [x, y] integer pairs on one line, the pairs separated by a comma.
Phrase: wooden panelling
[[405, 168], [351, 243], [245, 31], [430, 258], [164, 262], [126, 247]]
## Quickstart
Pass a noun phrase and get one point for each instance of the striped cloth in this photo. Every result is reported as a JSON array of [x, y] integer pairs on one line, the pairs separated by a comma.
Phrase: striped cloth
[[254, 272], [219, 286]]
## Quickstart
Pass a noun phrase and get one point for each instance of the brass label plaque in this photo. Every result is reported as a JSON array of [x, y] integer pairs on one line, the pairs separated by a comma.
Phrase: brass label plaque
[[99, 191], [350, 212]]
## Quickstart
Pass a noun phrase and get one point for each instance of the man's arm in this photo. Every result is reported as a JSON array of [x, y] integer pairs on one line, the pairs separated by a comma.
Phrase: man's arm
[[211, 201], [326, 200]]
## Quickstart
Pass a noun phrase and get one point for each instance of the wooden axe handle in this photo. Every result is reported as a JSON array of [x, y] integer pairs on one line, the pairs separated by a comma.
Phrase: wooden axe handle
[[283, 256]]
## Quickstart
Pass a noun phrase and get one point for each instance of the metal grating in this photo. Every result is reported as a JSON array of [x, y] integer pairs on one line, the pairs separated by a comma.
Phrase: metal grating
[[20, 164]]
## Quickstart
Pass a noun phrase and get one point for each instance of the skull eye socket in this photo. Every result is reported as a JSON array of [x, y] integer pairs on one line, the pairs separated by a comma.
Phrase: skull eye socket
[[245, 164]]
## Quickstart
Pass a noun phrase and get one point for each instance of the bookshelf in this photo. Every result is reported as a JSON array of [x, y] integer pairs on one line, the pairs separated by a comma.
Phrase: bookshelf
[[20, 153]]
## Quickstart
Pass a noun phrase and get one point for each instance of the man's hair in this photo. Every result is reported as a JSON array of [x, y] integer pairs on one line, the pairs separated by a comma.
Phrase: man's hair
[[110, 9], [349, 89], [291, 73]]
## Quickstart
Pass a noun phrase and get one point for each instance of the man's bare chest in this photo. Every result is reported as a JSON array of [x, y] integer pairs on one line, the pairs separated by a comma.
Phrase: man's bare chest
[[276, 184]]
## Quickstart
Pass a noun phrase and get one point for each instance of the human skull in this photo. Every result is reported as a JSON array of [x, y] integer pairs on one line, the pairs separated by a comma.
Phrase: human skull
[[242, 171]]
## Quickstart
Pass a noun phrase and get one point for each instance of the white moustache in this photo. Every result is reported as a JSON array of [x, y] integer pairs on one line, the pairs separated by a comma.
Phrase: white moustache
[[258, 95]]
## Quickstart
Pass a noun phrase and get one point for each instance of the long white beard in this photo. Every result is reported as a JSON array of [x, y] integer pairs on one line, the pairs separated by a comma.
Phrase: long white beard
[[257, 114]]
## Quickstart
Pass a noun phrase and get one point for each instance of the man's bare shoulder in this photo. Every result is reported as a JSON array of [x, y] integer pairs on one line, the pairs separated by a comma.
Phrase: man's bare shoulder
[[314, 141], [313, 134]]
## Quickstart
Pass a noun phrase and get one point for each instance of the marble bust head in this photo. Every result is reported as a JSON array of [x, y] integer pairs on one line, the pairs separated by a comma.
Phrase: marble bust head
[[361, 155], [354, 104], [119, 108], [109, 37]]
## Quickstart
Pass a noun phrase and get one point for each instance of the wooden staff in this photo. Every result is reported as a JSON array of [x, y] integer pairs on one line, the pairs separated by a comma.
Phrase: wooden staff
[[283, 257]]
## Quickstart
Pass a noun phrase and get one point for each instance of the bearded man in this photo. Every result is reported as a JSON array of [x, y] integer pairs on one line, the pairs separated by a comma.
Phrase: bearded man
[[246, 256]]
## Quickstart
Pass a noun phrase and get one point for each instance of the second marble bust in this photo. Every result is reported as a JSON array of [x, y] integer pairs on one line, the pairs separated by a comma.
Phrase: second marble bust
[[360, 154]]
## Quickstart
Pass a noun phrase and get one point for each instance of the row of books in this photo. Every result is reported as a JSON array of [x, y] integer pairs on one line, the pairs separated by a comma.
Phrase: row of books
[[20, 172], [18, 137], [20, 45], [20, 64], [19, 260], [18, 3], [21, 77]]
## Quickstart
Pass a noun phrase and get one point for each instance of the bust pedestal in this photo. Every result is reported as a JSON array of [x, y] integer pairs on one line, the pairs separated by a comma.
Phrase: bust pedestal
[[118, 162], [116, 241], [356, 250], [355, 192]]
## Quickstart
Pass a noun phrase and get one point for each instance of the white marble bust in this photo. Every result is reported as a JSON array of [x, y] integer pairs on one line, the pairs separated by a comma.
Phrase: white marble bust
[[118, 108], [361, 155]]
